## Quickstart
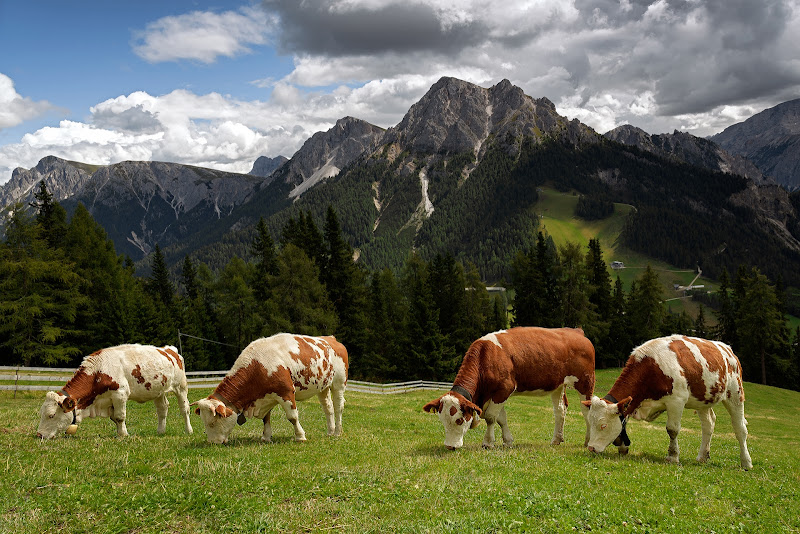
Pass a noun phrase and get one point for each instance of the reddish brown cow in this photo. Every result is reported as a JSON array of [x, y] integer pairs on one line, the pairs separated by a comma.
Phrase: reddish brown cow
[[670, 374], [522, 360]]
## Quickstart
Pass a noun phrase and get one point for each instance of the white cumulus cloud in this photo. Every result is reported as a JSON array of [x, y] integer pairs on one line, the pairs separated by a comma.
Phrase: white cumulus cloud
[[203, 36], [16, 109]]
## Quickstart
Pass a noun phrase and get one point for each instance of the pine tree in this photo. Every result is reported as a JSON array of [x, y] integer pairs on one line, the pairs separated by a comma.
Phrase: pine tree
[[645, 309], [39, 296], [189, 277], [345, 283], [50, 216], [299, 299], [428, 356], [159, 283], [263, 250], [760, 316], [700, 329]]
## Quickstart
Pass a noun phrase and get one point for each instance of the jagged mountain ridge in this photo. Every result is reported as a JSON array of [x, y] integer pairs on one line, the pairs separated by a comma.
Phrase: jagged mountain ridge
[[771, 140], [461, 149], [63, 178], [685, 147]]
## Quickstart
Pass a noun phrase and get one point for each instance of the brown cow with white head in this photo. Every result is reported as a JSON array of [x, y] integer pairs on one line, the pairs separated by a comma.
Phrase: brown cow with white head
[[108, 378], [518, 361], [670, 374], [278, 371]]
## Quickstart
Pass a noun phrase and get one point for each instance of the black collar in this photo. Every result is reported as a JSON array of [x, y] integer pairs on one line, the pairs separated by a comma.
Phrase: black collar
[[623, 438], [460, 390]]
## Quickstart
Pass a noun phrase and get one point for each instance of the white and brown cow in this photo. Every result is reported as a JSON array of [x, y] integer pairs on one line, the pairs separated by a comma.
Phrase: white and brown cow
[[278, 371], [670, 374], [108, 378], [522, 360]]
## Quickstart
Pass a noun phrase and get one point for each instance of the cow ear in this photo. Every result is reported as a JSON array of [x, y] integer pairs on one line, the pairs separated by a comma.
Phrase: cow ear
[[223, 411], [433, 406], [67, 404], [469, 406], [622, 406]]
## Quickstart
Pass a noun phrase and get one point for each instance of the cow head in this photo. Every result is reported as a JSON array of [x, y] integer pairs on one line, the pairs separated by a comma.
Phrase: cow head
[[457, 414], [605, 425], [55, 415], [217, 418]]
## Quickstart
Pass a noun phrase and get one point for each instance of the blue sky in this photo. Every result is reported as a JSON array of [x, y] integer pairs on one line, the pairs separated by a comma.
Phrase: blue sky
[[219, 84]]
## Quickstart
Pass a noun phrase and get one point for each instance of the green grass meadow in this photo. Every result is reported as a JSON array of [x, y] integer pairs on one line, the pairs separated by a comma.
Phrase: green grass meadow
[[391, 473]]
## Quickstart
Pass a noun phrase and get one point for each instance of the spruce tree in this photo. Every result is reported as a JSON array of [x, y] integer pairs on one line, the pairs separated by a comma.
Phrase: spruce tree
[[39, 297], [645, 308], [159, 283], [263, 250]]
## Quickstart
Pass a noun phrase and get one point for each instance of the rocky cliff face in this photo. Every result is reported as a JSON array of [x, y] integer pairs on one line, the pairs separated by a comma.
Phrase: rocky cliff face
[[456, 116], [63, 178], [265, 166], [141, 203], [687, 148], [325, 153], [771, 140]]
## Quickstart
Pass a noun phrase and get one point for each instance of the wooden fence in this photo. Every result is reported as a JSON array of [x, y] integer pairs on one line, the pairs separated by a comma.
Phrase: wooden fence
[[47, 378]]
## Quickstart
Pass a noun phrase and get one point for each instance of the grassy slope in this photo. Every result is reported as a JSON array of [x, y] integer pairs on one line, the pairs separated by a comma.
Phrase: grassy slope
[[391, 473], [558, 211]]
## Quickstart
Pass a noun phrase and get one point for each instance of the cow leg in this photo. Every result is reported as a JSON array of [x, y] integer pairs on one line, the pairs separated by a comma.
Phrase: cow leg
[[118, 412], [293, 417], [739, 423], [266, 435], [338, 409], [559, 414], [707, 420], [585, 413], [327, 408], [508, 439], [490, 415], [181, 392], [162, 407], [674, 414]]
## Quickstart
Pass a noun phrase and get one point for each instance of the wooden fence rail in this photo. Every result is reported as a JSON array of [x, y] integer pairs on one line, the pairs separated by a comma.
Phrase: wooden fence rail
[[32, 378]]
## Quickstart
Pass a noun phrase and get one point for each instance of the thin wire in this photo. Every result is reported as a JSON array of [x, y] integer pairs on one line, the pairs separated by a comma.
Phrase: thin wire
[[204, 339]]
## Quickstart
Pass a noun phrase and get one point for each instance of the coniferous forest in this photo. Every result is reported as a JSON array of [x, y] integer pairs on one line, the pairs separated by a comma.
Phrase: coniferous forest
[[65, 292]]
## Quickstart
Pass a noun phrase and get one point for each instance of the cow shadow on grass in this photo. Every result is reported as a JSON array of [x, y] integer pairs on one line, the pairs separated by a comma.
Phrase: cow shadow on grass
[[245, 441]]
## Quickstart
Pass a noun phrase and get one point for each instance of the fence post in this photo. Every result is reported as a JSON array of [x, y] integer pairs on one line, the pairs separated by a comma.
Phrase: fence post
[[16, 381]]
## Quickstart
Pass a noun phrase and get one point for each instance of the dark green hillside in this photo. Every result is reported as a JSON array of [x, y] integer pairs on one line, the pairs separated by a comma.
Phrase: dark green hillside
[[683, 214]]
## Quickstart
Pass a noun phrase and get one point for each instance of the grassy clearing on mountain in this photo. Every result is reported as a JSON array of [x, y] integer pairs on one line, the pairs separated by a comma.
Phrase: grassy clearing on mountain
[[391, 473]]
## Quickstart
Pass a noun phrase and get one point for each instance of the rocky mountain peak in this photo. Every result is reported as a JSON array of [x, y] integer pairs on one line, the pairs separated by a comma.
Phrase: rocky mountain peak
[[325, 153], [455, 116], [687, 148], [264, 166], [62, 178], [771, 140]]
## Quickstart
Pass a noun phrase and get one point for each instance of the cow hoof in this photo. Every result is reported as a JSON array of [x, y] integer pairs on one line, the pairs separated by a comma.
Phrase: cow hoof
[[556, 442], [508, 443], [622, 450], [671, 459], [702, 458], [300, 440], [488, 445]]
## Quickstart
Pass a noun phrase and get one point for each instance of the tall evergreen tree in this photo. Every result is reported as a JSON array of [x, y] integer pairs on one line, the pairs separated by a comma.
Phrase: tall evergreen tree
[[645, 309], [39, 296], [50, 216], [346, 286], [263, 250], [428, 356], [159, 284], [760, 317]]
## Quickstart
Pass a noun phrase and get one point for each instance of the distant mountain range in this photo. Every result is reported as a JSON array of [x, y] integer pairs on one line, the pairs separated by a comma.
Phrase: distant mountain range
[[771, 140], [458, 174]]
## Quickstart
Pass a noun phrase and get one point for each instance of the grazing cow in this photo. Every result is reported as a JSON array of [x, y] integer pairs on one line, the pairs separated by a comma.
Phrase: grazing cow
[[278, 370], [522, 360], [108, 378], [670, 374]]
